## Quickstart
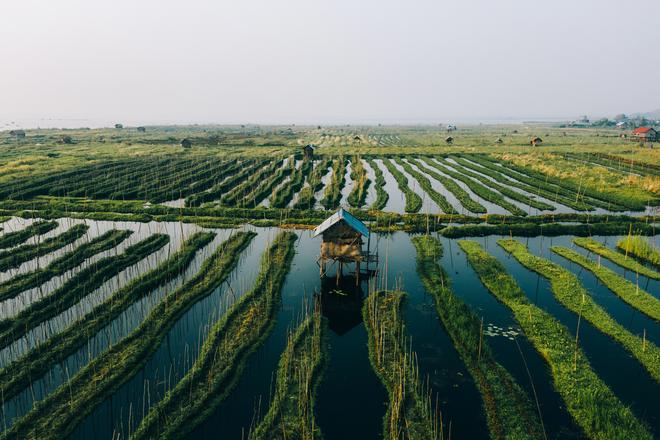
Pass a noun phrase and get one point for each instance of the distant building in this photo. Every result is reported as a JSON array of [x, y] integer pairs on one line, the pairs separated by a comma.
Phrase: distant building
[[19, 134], [536, 141], [357, 139], [119, 126], [141, 129], [645, 134], [308, 151], [449, 140], [498, 141], [451, 127], [185, 143]]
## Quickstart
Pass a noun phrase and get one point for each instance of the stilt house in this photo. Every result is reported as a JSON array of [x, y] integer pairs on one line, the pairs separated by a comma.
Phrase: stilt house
[[342, 242]]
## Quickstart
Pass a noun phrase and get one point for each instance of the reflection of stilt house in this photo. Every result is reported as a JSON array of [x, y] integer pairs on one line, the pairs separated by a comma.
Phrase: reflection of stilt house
[[342, 243]]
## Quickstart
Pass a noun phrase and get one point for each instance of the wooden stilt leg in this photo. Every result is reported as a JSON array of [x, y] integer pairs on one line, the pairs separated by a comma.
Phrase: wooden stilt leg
[[339, 268], [357, 273]]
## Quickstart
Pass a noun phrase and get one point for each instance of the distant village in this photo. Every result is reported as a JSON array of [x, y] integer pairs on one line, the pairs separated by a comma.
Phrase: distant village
[[620, 121]]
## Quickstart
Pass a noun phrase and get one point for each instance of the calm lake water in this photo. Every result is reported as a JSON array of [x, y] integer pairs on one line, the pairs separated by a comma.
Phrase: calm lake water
[[351, 401]]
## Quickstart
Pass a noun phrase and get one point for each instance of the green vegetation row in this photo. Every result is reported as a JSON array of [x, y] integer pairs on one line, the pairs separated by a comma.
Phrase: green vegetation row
[[502, 189], [381, 195], [306, 199], [332, 193], [282, 197], [588, 399], [449, 184], [17, 237], [29, 280], [224, 353], [238, 192], [619, 164], [567, 289], [480, 190], [602, 199], [438, 198], [83, 283], [409, 413], [508, 408], [18, 375], [361, 183], [616, 257], [624, 289], [545, 229], [57, 415], [216, 191], [539, 179], [612, 202], [291, 411], [267, 186], [413, 200], [530, 186], [16, 257], [640, 248], [147, 178], [636, 166]]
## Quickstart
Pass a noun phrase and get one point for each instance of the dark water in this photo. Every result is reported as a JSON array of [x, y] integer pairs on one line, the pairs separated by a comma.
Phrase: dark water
[[350, 401], [121, 413], [612, 363]]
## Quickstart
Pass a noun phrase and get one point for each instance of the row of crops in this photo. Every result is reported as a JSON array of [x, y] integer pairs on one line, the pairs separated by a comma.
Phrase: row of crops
[[468, 184], [156, 329]]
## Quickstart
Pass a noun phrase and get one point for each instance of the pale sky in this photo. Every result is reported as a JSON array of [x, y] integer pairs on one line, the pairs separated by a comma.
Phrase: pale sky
[[331, 61]]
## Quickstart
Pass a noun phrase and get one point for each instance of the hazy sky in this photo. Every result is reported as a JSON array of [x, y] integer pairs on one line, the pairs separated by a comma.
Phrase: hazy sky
[[308, 61]]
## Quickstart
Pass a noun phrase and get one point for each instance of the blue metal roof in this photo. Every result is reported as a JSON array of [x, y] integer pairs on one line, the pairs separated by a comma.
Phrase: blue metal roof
[[338, 216]]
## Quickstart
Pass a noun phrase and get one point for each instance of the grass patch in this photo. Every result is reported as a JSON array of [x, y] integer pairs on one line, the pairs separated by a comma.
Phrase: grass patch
[[224, 353], [18, 256], [621, 260], [409, 413], [282, 197], [413, 200], [438, 198], [29, 280], [502, 189], [19, 374], [531, 186], [568, 290], [306, 196], [624, 289], [332, 193], [542, 229], [640, 248], [360, 183], [480, 190], [381, 195], [58, 414], [588, 399], [76, 289], [508, 409], [291, 411], [11, 239]]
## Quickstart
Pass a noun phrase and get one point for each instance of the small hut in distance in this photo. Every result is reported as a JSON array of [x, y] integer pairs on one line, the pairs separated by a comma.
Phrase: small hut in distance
[[536, 141], [342, 242], [449, 140], [185, 143], [308, 151], [18, 134]]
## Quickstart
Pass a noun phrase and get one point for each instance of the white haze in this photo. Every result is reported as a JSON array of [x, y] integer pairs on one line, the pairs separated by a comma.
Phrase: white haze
[[363, 61]]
